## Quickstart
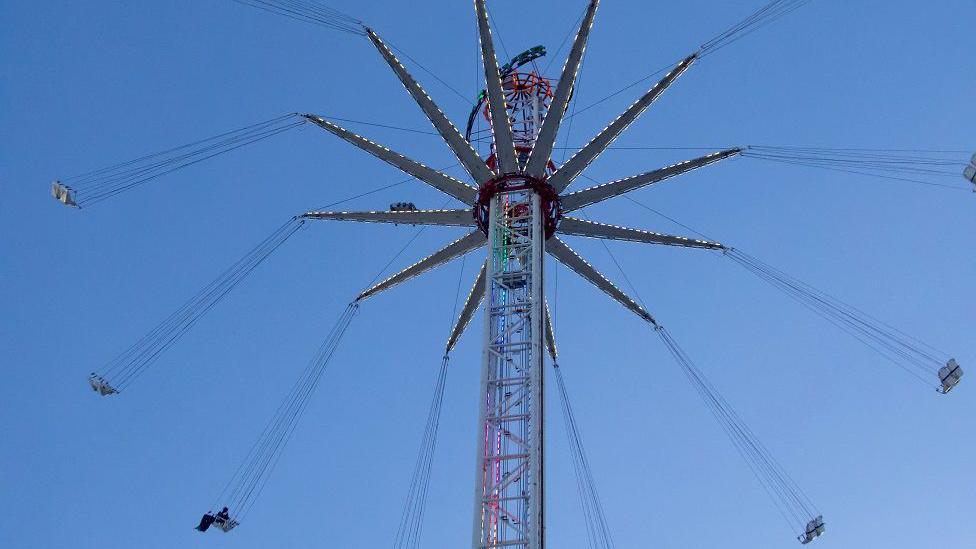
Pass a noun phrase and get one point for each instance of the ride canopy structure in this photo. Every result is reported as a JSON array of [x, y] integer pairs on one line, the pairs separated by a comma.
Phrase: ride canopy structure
[[518, 204]]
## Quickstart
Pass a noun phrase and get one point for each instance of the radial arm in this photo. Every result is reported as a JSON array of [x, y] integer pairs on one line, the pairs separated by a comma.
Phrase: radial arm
[[542, 151], [475, 297], [550, 334], [448, 218], [599, 193], [575, 166], [565, 255], [455, 249], [462, 149], [432, 177], [501, 128], [580, 227]]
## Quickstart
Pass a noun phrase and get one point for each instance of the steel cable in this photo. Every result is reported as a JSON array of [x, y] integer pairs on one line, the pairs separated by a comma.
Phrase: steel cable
[[252, 475], [125, 368], [598, 530], [903, 350], [409, 532], [790, 500], [309, 11], [92, 187], [760, 18], [916, 166]]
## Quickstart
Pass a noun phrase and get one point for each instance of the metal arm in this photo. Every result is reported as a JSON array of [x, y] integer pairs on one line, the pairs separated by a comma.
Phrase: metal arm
[[501, 127], [599, 193], [462, 149], [442, 182], [542, 151], [580, 227], [565, 255], [550, 334], [459, 247], [446, 218], [575, 166], [474, 299]]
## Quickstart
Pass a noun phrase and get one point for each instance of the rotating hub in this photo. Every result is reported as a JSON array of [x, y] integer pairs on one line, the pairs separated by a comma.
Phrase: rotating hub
[[549, 199]]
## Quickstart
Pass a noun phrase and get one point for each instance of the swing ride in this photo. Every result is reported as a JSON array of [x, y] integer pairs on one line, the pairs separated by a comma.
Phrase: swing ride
[[518, 209]]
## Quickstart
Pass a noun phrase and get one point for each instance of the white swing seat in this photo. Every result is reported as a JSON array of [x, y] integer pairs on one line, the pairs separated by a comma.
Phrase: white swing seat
[[227, 525], [63, 194], [815, 529], [970, 174], [101, 386], [950, 375]]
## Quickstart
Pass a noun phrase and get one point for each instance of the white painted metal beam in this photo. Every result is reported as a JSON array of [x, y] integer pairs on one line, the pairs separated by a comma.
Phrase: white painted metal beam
[[459, 247], [500, 125], [565, 255], [475, 296], [575, 166], [542, 151], [462, 149], [599, 193], [590, 229], [550, 334], [445, 218], [440, 181]]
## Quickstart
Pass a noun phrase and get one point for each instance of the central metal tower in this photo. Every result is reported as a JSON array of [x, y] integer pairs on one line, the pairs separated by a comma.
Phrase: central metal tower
[[509, 508]]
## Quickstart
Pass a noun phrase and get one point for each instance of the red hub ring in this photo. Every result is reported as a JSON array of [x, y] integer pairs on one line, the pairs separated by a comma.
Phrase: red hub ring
[[549, 199]]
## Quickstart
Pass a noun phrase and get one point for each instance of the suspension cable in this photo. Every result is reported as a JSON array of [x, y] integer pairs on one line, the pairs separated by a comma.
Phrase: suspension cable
[[915, 357], [790, 500], [764, 16], [760, 18], [926, 167], [908, 353], [317, 13], [310, 11], [119, 373], [923, 166], [793, 504], [598, 532], [251, 476], [378, 189], [408, 534], [96, 186]]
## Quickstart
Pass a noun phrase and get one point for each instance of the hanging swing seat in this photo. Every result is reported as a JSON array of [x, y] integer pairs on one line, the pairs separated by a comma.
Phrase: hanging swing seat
[[815, 529], [949, 375], [226, 525], [63, 194], [970, 174], [100, 385]]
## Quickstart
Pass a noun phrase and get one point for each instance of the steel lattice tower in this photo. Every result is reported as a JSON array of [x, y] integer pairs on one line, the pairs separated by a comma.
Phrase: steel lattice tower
[[509, 508]]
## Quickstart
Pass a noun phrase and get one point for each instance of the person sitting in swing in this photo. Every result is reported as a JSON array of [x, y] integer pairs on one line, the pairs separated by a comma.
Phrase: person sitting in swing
[[222, 517], [205, 522]]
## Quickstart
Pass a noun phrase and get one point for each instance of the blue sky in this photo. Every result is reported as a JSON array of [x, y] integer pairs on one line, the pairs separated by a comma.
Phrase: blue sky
[[90, 84]]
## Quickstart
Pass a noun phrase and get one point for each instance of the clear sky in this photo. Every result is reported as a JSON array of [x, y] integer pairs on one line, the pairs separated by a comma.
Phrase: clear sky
[[87, 84]]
